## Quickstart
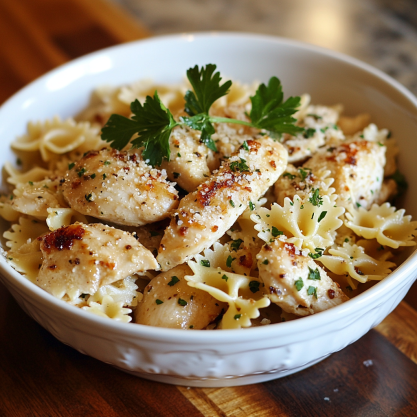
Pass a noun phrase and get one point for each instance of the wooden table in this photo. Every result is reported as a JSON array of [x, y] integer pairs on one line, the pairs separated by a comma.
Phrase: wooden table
[[39, 376]]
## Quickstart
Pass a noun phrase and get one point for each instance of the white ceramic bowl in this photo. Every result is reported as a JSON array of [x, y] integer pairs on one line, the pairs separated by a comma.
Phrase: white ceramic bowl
[[228, 357]]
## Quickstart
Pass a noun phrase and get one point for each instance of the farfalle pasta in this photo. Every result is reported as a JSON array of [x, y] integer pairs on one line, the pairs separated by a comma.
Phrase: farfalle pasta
[[384, 223], [308, 223], [250, 220]]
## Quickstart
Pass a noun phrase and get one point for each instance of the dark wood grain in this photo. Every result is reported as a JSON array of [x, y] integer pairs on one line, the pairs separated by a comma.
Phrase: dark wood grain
[[343, 385], [40, 376], [38, 35]]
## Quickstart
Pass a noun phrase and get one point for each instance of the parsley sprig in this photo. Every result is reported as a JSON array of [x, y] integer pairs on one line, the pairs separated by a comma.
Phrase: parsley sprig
[[152, 123]]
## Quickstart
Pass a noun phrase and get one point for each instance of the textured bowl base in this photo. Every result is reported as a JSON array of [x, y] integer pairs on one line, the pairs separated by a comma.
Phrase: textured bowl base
[[224, 382]]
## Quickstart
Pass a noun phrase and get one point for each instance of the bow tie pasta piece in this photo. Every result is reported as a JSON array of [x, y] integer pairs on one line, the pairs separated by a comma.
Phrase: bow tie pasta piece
[[352, 260], [206, 214], [119, 187], [235, 256], [25, 231], [6, 209], [109, 308], [110, 300], [35, 198], [168, 301], [309, 223], [171, 95], [384, 223], [26, 259], [17, 177], [79, 259], [295, 282], [25, 255], [55, 137], [243, 294], [59, 217]]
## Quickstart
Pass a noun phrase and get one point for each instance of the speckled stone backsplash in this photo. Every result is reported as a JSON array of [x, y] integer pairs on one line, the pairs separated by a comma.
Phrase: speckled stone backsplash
[[382, 33]]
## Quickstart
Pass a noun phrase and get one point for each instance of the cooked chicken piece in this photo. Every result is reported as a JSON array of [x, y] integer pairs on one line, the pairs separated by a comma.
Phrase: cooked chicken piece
[[295, 282], [206, 214], [168, 301], [80, 258], [188, 161], [119, 187], [357, 168], [301, 182]]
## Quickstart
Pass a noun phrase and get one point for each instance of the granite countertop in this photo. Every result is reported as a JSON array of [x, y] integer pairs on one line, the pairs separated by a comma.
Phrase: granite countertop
[[382, 33]]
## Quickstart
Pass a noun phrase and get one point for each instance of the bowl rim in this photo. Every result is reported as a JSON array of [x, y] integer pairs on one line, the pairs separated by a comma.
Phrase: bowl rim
[[200, 336]]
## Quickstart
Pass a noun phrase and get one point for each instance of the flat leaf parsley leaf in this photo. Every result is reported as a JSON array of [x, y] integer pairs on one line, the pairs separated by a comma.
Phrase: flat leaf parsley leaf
[[269, 112], [207, 89], [153, 123]]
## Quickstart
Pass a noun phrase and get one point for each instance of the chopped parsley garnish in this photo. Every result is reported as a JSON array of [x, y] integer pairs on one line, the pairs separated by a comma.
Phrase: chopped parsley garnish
[[288, 175], [182, 302], [235, 245], [191, 326], [251, 206], [318, 254], [316, 199], [229, 261], [179, 155], [107, 162], [152, 123], [232, 203], [322, 216], [30, 182], [303, 173], [299, 284], [71, 165], [158, 301], [309, 133], [312, 291], [104, 176], [237, 316], [275, 232], [314, 274], [225, 277], [176, 175], [239, 166], [254, 286], [173, 281], [205, 263], [245, 146], [81, 172], [92, 176], [89, 197], [358, 205], [346, 239], [265, 262]]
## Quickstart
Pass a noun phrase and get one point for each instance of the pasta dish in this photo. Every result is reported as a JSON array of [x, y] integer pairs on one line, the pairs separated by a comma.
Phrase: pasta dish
[[245, 211]]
